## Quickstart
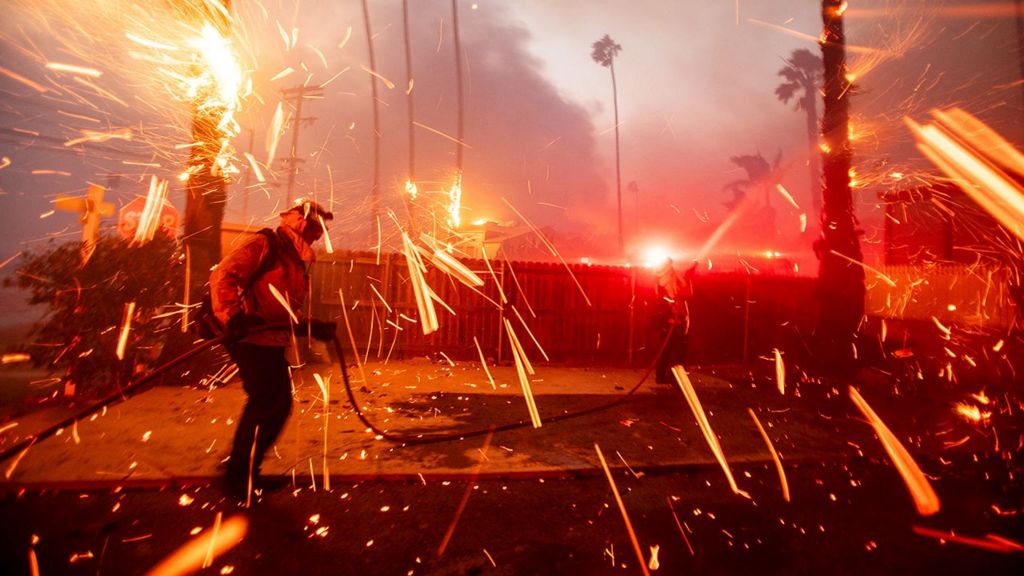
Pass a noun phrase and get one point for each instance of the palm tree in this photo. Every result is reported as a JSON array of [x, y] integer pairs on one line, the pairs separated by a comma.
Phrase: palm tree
[[761, 177], [604, 52], [455, 192], [376, 113], [840, 274], [411, 183], [803, 78]]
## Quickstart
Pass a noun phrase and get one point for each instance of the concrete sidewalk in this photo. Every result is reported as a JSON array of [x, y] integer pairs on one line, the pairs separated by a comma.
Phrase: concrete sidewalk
[[180, 434]]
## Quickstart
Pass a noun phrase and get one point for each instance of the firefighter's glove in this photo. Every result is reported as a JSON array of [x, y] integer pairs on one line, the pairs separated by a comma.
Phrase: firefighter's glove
[[240, 325], [322, 330]]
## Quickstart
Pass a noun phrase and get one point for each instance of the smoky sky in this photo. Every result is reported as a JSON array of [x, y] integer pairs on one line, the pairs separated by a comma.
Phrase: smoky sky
[[696, 85]]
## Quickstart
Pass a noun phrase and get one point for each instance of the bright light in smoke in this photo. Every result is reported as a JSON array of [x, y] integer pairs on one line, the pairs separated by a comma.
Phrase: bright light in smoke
[[655, 255]]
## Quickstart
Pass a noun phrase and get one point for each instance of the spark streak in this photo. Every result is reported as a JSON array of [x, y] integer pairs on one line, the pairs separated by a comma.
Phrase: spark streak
[[990, 542], [192, 555], [881, 275], [970, 153], [126, 326], [388, 83], [483, 362], [442, 134], [521, 369], [421, 290], [70, 68], [149, 219], [622, 509], [775, 455], [19, 78], [780, 372], [325, 389], [925, 499], [284, 303], [702, 420]]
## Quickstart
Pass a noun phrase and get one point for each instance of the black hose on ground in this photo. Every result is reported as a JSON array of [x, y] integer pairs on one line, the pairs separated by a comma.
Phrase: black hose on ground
[[437, 437]]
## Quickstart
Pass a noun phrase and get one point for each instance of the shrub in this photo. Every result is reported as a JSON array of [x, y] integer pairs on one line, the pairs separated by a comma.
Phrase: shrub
[[79, 333]]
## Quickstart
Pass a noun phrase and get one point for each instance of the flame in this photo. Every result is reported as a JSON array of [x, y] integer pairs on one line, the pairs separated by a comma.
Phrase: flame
[[410, 189], [971, 413], [455, 202], [220, 78]]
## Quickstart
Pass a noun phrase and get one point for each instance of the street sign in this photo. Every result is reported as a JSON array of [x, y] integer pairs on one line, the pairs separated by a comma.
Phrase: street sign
[[90, 210], [128, 218]]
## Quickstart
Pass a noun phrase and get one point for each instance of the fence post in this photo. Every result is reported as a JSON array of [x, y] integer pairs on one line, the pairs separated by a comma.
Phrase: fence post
[[501, 312], [746, 319], [632, 316]]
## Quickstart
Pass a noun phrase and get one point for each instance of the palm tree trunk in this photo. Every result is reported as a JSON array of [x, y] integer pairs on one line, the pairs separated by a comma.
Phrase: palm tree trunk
[[375, 191], [206, 193], [458, 84], [840, 276], [618, 176], [813, 154], [412, 117]]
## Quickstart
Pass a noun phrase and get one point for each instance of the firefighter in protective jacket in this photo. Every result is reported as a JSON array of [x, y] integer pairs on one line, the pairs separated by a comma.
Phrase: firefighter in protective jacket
[[243, 301]]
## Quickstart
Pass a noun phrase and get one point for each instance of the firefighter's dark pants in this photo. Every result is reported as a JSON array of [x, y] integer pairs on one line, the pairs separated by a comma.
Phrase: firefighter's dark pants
[[265, 378]]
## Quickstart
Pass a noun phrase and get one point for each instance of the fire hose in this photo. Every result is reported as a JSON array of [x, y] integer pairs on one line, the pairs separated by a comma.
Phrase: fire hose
[[136, 385]]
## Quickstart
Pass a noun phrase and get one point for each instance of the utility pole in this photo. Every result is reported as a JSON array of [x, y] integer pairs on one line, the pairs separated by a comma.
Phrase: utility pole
[[375, 192], [297, 94], [840, 272]]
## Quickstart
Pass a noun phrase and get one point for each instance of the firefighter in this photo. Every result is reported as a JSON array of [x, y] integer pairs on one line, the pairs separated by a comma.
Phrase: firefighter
[[240, 290], [672, 314]]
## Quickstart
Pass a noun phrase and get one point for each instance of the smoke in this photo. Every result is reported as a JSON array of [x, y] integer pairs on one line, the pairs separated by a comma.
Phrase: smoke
[[523, 142]]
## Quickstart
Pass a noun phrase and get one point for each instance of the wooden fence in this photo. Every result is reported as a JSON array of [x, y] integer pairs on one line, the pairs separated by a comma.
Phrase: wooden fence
[[574, 314]]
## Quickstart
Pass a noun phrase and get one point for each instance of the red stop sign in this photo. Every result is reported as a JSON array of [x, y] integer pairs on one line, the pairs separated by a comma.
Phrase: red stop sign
[[130, 214]]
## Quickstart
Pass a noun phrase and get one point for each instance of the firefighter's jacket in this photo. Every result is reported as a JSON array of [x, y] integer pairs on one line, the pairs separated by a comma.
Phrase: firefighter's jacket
[[289, 275]]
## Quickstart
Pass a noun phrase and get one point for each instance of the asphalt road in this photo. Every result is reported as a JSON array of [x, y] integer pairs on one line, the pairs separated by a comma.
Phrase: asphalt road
[[845, 517]]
